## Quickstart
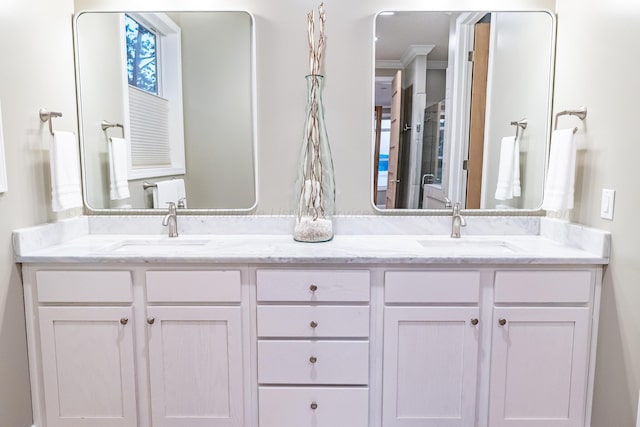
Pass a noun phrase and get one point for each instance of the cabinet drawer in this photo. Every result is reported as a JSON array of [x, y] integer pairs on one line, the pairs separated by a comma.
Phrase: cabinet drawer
[[432, 287], [193, 286], [313, 285], [528, 286], [313, 321], [84, 286], [336, 362], [334, 407]]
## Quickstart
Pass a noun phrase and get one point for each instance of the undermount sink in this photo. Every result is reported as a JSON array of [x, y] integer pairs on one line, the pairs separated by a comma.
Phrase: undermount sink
[[158, 245], [468, 246]]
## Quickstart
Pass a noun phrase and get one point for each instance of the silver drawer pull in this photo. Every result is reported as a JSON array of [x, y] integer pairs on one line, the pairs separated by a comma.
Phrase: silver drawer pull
[[313, 359], [474, 321], [151, 320], [314, 405], [313, 324], [502, 322], [313, 288], [124, 321]]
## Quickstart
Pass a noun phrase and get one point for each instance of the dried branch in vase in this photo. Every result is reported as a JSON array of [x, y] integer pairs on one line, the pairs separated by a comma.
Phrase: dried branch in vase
[[315, 189]]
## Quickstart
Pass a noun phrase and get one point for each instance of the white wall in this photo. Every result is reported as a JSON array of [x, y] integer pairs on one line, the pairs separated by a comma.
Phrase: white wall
[[216, 65], [597, 67], [516, 90], [102, 81], [37, 71], [436, 84]]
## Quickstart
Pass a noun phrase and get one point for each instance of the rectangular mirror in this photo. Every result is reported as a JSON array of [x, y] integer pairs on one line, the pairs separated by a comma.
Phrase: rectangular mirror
[[452, 90], [166, 105]]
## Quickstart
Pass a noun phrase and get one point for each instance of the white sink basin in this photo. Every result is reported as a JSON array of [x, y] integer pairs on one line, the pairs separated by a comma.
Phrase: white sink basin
[[468, 246], [164, 245]]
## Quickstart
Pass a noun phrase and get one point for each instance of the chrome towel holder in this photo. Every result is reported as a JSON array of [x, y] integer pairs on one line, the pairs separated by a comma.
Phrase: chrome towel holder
[[580, 113], [47, 116], [519, 124], [105, 124]]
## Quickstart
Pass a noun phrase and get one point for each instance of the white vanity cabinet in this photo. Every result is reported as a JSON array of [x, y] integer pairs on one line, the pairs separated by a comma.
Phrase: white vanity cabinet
[[430, 357], [313, 347], [195, 348], [501, 347], [86, 348], [274, 345], [540, 353], [138, 347]]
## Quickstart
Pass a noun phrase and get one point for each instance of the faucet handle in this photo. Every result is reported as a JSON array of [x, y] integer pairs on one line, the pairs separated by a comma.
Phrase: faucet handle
[[447, 203], [172, 207], [182, 203]]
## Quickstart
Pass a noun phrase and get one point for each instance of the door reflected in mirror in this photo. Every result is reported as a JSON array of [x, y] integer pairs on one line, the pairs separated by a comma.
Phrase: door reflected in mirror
[[449, 89], [178, 89]]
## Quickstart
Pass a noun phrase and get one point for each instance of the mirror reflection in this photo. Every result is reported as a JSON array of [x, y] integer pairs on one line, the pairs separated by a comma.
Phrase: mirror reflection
[[166, 109], [461, 109]]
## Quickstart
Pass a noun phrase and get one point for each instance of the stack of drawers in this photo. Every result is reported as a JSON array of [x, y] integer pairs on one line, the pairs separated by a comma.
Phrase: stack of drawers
[[313, 348]]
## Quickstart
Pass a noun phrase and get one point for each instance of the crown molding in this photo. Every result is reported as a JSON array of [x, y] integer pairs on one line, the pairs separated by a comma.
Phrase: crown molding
[[415, 50]]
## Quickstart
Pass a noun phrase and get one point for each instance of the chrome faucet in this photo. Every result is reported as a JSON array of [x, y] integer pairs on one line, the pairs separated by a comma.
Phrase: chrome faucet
[[457, 221], [171, 220]]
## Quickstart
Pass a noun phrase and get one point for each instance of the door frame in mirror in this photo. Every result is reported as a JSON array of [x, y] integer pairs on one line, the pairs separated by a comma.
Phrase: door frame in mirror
[[545, 6], [118, 6]]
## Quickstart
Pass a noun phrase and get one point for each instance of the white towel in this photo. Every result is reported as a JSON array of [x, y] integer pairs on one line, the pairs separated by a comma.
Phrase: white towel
[[118, 181], [561, 175], [171, 190], [508, 185], [66, 192]]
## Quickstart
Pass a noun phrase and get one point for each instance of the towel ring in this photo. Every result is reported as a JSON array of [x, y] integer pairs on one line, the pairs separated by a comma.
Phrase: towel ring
[[580, 113], [105, 124], [47, 116]]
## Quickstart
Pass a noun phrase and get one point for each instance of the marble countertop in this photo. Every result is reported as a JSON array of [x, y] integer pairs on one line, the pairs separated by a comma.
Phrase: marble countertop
[[267, 239], [343, 249]]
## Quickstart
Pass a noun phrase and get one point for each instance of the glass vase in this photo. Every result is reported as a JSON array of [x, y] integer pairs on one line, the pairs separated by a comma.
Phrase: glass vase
[[315, 187]]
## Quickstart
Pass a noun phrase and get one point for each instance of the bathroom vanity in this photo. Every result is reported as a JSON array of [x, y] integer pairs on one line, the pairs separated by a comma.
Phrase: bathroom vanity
[[387, 330]]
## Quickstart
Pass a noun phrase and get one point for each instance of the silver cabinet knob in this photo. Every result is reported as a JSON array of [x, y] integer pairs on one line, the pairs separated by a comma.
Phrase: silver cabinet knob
[[313, 359], [314, 405], [124, 321], [313, 288], [474, 321], [313, 324], [502, 322], [151, 320]]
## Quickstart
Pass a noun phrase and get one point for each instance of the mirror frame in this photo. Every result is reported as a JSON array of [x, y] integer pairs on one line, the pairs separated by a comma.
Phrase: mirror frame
[[545, 6], [87, 6]]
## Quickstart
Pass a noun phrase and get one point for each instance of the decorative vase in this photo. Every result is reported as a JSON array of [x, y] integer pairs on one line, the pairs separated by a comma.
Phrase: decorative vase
[[315, 187]]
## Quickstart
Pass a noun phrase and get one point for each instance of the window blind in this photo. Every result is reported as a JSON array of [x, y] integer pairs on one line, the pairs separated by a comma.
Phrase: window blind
[[149, 133]]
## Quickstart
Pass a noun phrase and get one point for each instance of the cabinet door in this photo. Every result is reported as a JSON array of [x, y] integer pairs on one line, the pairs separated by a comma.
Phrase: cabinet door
[[195, 362], [539, 367], [430, 365], [88, 366]]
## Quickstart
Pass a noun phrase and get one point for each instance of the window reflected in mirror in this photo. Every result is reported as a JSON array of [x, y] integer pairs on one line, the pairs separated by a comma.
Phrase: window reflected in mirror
[[178, 88]]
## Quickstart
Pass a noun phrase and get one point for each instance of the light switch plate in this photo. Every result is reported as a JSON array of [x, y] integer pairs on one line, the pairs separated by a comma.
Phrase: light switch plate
[[608, 201]]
